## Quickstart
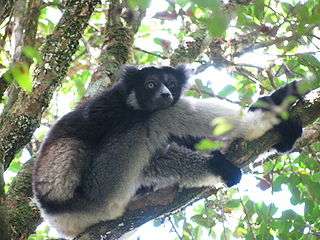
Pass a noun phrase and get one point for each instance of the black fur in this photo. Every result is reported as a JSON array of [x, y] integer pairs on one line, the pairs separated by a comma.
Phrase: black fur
[[92, 119], [219, 165], [174, 78], [290, 129]]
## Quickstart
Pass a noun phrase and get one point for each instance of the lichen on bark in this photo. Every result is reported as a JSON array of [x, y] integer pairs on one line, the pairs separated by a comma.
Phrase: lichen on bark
[[24, 116]]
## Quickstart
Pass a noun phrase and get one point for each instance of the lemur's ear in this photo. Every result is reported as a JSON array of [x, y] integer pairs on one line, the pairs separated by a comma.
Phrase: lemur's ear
[[183, 74], [129, 73]]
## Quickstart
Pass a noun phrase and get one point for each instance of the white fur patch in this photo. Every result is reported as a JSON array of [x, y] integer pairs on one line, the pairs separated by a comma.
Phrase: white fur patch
[[132, 101]]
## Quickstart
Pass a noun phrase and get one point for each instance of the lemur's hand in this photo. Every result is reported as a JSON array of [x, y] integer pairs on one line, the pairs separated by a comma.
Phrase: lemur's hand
[[219, 165], [290, 128]]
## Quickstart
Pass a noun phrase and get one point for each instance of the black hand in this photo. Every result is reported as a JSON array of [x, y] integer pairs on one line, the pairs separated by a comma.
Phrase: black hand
[[290, 130], [220, 166]]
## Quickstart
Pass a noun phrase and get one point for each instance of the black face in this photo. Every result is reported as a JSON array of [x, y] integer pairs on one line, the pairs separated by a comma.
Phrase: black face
[[152, 88]]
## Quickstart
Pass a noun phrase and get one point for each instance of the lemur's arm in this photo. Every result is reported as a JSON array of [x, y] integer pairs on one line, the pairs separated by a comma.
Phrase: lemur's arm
[[194, 117], [181, 164]]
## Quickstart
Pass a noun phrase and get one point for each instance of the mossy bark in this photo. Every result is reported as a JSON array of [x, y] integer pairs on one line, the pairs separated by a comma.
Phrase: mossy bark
[[19, 123]]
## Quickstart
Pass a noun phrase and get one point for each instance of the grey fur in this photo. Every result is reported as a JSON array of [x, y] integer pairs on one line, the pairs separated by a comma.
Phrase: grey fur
[[179, 165]]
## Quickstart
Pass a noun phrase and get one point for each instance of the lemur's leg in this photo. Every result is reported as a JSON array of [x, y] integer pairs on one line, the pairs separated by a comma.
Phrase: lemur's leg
[[187, 168], [58, 170], [289, 128]]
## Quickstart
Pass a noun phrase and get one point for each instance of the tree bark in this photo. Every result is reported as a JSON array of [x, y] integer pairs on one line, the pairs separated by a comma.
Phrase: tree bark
[[6, 9], [18, 124]]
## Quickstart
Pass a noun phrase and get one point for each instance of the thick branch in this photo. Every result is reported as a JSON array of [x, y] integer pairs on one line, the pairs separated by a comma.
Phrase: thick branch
[[117, 47], [26, 21], [23, 215], [6, 9], [26, 18], [188, 52], [18, 124]]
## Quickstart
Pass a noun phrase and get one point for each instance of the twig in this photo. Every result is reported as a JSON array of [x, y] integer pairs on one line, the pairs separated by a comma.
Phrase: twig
[[297, 54], [150, 53], [212, 94], [175, 229], [268, 44], [315, 36], [251, 77], [246, 65], [246, 216]]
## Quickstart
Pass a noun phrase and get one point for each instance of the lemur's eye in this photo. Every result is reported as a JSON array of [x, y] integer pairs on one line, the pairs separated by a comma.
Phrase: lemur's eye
[[150, 85]]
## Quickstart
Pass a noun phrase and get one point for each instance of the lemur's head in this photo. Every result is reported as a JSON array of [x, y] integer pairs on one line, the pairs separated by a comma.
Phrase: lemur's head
[[154, 88]]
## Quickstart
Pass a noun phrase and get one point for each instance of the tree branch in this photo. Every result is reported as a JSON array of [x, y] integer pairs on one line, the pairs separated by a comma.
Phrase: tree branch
[[18, 124], [6, 9], [26, 18], [23, 214], [119, 37], [188, 52]]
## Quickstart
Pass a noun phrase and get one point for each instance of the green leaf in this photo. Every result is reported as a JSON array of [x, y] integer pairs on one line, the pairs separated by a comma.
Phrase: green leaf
[[296, 197], [286, 7], [278, 182], [249, 208], [221, 126], [15, 166], [217, 24], [143, 4], [262, 210], [32, 53], [272, 209], [309, 60], [316, 177], [21, 74], [203, 220], [208, 145], [233, 203], [259, 9], [227, 90], [315, 16], [210, 4], [289, 214]]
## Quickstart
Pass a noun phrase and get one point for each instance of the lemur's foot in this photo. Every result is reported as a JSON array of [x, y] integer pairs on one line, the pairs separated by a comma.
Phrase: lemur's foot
[[290, 130], [220, 166]]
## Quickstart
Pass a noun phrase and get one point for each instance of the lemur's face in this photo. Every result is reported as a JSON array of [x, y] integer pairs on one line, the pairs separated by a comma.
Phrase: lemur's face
[[156, 88]]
